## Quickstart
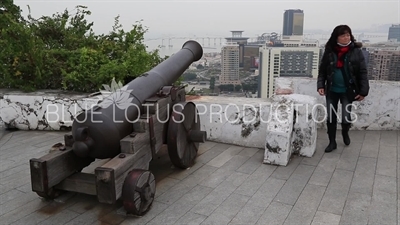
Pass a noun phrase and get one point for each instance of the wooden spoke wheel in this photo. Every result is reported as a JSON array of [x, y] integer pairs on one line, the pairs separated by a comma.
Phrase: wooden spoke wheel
[[184, 134], [138, 191]]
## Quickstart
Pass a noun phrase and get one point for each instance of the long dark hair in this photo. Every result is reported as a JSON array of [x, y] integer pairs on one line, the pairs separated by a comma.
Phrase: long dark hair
[[339, 30]]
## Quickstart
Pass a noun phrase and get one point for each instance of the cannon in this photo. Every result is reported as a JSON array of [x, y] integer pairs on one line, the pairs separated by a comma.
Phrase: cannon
[[125, 131]]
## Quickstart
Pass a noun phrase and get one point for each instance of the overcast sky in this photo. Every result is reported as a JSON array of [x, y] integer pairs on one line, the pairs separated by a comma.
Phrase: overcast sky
[[218, 17]]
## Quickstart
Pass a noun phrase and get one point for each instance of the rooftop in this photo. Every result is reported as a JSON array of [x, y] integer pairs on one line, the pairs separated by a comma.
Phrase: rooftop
[[227, 185]]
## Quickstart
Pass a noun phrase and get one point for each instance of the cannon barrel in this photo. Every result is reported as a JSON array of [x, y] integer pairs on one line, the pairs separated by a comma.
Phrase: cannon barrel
[[97, 132]]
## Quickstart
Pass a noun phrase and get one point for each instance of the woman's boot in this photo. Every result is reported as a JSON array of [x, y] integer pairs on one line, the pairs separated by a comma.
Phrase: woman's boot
[[332, 137], [345, 133]]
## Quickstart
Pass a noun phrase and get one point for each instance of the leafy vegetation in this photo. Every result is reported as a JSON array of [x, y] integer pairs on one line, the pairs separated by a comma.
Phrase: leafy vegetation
[[230, 87], [212, 84], [200, 67], [189, 76], [252, 87], [62, 51]]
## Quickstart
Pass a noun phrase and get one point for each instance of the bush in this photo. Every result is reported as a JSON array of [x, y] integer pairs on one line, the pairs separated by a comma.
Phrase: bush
[[62, 51], [189, 76]]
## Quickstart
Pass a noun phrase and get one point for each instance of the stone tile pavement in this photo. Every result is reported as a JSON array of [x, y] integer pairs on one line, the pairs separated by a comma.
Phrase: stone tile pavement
[[357, 184]]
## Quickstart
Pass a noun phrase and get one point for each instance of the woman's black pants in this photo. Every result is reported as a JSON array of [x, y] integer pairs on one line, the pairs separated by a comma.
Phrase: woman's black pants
[[332, 100]]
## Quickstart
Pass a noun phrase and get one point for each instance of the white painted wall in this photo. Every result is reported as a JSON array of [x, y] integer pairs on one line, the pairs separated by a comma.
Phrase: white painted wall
[[42, 110]]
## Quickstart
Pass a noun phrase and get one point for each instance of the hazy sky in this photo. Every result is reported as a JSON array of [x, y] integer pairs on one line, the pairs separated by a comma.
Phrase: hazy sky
[[218, 17]]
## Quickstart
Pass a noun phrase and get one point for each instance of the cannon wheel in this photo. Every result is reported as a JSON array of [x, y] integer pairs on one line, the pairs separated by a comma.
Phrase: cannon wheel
[[138, 191], [182, 149]]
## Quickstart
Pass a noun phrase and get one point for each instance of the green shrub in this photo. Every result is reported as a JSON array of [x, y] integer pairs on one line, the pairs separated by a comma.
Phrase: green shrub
[[62, 51]]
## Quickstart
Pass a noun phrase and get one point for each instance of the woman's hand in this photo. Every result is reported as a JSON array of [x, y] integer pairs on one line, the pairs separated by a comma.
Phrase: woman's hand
[[359, 97], [321, 91]]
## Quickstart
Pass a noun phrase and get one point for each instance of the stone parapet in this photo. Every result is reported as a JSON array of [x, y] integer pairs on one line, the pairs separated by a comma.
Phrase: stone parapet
[[42, 110]]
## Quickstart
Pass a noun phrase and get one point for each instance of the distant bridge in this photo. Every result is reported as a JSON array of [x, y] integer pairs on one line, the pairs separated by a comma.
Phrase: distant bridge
[[211, 42], [359, 37], [207, 42]]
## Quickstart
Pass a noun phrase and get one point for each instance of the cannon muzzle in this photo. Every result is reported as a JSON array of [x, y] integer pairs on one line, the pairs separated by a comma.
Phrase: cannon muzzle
[[97, 132]]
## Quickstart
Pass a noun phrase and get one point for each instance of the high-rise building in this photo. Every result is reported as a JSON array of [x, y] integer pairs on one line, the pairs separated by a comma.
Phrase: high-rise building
[[293, 22], [394, 32], [241, 41], [384, 65], [229, 64], [394, 67]]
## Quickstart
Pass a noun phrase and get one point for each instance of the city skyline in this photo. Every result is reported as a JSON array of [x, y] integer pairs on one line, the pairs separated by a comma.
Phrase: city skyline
[[167, 18]]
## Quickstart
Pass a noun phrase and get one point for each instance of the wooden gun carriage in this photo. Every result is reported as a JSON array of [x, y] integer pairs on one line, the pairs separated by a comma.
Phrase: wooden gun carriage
[[162, 116]]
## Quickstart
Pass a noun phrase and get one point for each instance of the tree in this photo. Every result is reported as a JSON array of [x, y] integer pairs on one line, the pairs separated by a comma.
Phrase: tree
[[62, 51], [212, 84], [226, 87], [250, 87], [238, 87], [189, 76]]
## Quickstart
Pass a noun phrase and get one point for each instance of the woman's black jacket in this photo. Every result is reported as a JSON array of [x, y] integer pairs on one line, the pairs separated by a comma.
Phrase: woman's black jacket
[[355, 65]]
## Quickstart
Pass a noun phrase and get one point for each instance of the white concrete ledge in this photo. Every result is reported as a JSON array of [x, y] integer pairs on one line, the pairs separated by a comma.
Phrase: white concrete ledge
[[42, 110]]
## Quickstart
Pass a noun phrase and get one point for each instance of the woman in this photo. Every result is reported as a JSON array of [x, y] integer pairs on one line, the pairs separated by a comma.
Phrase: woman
[[342, 76]]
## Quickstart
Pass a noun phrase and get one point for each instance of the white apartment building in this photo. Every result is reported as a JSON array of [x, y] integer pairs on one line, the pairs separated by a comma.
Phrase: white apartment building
[[301, 59], [297, 41], [230, 64]]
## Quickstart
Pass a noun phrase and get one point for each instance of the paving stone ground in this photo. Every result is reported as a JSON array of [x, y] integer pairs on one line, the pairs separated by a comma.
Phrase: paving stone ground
[[356, 184]]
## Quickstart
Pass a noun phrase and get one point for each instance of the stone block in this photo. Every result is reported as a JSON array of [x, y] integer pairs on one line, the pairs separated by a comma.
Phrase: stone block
[[304, 137], [278, 147], [234, 120]]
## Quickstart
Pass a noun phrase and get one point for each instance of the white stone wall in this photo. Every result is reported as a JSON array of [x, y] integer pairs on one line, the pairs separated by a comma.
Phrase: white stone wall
[[42, 110], [380, 110], [248, 122]]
